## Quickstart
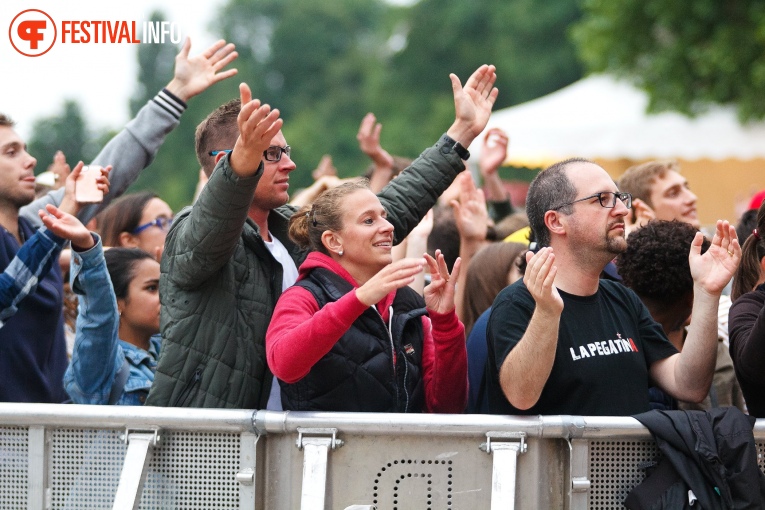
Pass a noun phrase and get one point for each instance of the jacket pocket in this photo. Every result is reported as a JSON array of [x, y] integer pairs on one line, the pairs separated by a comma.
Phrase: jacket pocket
[[190, 389]]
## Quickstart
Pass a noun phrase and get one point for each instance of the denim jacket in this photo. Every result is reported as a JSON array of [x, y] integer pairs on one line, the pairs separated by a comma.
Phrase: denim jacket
[[98, 352]]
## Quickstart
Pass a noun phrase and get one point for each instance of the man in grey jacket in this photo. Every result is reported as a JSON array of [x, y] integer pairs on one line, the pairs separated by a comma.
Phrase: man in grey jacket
[[228, 258]]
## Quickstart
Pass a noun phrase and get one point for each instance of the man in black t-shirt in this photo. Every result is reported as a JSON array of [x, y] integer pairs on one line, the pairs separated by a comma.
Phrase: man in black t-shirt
[[562, 341]]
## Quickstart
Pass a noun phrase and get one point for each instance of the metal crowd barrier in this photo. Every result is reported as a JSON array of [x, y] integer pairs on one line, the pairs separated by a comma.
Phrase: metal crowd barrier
[[96, 457]]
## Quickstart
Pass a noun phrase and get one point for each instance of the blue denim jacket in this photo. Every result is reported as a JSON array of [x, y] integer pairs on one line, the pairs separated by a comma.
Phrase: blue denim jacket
[[98, 352]]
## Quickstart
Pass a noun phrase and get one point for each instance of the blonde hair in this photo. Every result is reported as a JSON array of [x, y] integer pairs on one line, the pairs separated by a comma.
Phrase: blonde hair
[[326, 213]]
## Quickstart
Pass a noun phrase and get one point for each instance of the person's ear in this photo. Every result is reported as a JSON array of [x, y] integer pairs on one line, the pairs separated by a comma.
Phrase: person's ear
[[332, 241], [120, 305], [554, 223], [128, 240]]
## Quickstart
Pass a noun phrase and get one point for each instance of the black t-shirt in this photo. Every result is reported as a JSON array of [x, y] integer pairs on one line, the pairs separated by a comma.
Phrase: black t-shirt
[[606, 344]]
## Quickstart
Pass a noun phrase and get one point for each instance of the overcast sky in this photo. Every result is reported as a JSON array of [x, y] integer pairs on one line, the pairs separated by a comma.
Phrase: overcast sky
[[102, 77]]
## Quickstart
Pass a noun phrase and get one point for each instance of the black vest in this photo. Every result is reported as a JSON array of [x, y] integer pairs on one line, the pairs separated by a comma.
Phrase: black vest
[[358, 374]]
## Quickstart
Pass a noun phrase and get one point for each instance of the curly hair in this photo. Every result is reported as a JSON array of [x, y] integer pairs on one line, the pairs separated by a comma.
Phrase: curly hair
[[655, 264]]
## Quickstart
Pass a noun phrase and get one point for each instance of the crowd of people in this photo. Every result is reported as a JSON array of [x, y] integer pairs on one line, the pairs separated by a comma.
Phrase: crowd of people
[[407, 289]]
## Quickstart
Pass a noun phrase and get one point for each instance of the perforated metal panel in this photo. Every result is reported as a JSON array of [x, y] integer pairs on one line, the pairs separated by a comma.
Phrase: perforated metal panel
[[14, 455], [761, 455], [615, 469], [410, 483], [188, 470]]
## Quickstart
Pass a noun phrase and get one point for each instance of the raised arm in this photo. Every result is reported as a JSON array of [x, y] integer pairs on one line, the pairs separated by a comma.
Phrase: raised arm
[[96, 356], [524, 372], [688, 375], [369, 143], [409, 197], [134, 148], [493, 154], [472, 219], [203, 238], [36, 256]]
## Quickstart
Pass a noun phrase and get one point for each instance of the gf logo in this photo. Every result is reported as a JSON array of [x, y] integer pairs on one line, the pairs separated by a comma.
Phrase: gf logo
[[32, 32]]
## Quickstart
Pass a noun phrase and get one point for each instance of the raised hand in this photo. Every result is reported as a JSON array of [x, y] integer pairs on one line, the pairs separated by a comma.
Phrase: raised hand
[[325, 168], [369, 141], [470, 212], [439, 294], [193, 75], [539, 279], [60, 169], [473, 103], [493, 152], [69, 204], [713, 270], [258, 124], [67, 226], [392, 277]]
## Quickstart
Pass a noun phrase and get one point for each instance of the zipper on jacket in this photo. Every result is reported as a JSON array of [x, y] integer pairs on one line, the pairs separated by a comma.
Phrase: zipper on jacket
[[184, 395], [388, 327], [395, 357]]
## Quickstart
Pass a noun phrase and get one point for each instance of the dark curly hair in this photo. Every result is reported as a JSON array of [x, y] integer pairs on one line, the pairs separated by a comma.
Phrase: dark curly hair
[[655, 264]]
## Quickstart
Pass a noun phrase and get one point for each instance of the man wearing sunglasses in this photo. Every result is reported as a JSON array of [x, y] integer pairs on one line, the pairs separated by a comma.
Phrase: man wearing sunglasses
[[228, 258], [562, 341]]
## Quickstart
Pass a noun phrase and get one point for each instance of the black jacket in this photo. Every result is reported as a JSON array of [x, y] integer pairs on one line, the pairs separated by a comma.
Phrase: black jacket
[[712, 452], [358, 374]]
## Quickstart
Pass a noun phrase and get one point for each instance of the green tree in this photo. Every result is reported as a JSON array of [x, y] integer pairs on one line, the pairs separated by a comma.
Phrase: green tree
[[314, 60], [686, 55], [326, 63], [173, 174], [155, 63], [525, 39], [66, 131]]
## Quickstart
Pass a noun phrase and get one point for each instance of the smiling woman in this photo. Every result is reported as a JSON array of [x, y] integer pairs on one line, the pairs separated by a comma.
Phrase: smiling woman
[[351, 335]]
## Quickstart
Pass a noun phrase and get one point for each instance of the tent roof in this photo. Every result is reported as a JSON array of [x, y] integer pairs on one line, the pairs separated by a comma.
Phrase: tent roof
[[600, 117]]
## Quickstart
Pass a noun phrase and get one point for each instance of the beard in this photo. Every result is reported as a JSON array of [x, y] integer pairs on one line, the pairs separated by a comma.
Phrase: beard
[[615, 244]]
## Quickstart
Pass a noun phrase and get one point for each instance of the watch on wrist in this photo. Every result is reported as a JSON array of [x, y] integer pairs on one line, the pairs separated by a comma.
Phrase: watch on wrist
[[450, 144]]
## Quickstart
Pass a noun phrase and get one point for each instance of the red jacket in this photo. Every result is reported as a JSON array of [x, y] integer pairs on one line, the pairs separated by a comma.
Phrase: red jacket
[[300, 334]]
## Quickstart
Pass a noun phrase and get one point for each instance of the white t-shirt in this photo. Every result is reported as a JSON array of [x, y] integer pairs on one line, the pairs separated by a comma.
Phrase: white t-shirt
[[289, 277]]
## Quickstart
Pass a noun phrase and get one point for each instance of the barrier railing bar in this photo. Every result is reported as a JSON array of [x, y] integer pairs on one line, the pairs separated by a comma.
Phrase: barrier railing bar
[[137, 457], [247, 470], [504, 466], [38, 447], [315, 444], [579, 451]]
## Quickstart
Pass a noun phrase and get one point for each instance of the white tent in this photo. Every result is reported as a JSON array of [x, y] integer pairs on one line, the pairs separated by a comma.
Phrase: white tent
[[602, 118]]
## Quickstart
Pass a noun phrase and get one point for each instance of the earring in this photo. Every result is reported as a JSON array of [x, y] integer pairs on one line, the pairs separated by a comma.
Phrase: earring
[[340, 253]]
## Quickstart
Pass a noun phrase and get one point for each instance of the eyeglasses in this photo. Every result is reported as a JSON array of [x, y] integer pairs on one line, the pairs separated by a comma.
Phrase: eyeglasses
[[273, 153], [607, 199], [162, 223]]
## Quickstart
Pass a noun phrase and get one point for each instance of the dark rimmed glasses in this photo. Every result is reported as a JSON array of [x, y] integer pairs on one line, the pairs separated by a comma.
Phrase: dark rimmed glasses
[[273, 153], [606, 199], [162, 223]]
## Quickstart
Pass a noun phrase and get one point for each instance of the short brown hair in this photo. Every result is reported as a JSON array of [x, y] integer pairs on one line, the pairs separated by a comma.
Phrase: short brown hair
[[638, 179], [6, 121], [218, 131]]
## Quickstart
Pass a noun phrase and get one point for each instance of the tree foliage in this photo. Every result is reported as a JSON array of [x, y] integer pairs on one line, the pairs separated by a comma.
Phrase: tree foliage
[[686, 55], [155, 66], [66, 131], [325, 64]]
